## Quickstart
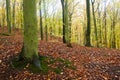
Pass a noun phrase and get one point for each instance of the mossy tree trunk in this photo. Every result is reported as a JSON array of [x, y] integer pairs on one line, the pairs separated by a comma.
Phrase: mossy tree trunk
[[8, 10], [88, 32], [30, 48]]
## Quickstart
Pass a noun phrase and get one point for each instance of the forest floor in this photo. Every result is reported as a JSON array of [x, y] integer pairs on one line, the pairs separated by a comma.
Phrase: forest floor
[[90, 63]]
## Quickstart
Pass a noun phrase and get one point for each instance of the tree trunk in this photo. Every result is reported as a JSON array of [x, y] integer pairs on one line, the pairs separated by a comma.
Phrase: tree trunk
[[41, 25], [88, 43], [105, 25], [94, 19], [66, 37], [30, 48], [69, 31], [21, 14], [46, 26], [63, 20], [13, 22], [8, 10]]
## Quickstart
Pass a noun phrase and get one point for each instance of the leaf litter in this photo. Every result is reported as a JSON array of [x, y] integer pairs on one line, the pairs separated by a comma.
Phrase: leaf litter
[[90, 63]]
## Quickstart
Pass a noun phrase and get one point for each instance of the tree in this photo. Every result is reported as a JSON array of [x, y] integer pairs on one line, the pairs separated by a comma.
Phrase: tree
[[13, 22], [105, 23], [53, 22], [8, 10], [3, 14], [30, 47], [99, 21], [94, 20], [114, 19], [41, 25], [88, 32], [71, 8], [65, 20], [45, 15]]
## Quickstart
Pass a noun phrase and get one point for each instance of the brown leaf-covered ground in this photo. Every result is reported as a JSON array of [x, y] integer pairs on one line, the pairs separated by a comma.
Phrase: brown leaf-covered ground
[[91, 63]]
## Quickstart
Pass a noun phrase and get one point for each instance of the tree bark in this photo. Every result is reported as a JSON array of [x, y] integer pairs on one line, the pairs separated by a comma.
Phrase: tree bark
[[94, 19], [46, 26], [63, 20], [41, 25], [88, 43], [13, 22], [30, 48], [8, 10]]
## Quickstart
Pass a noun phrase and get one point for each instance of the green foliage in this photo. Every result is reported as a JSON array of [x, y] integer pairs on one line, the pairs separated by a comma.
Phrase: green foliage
[[66, 63], [57, 70]]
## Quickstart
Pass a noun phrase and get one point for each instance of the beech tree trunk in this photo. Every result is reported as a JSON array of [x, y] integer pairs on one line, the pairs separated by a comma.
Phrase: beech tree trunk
[[30, 48]]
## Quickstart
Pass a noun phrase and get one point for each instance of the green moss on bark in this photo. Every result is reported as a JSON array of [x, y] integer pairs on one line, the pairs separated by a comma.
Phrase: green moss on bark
[[30, 48]]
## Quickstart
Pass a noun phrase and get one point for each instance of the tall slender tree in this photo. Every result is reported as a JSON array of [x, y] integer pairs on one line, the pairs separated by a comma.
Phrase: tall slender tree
[[88, 32], [65, 21], [13, 22], [71, 9], [41, 25], [3, 14], [94, 20], [105, 23], [99, 24], [45, 16], [8, 10], [113, 27]]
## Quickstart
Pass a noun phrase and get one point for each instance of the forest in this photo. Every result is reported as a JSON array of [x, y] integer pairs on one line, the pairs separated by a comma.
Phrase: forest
[[60, 39]]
